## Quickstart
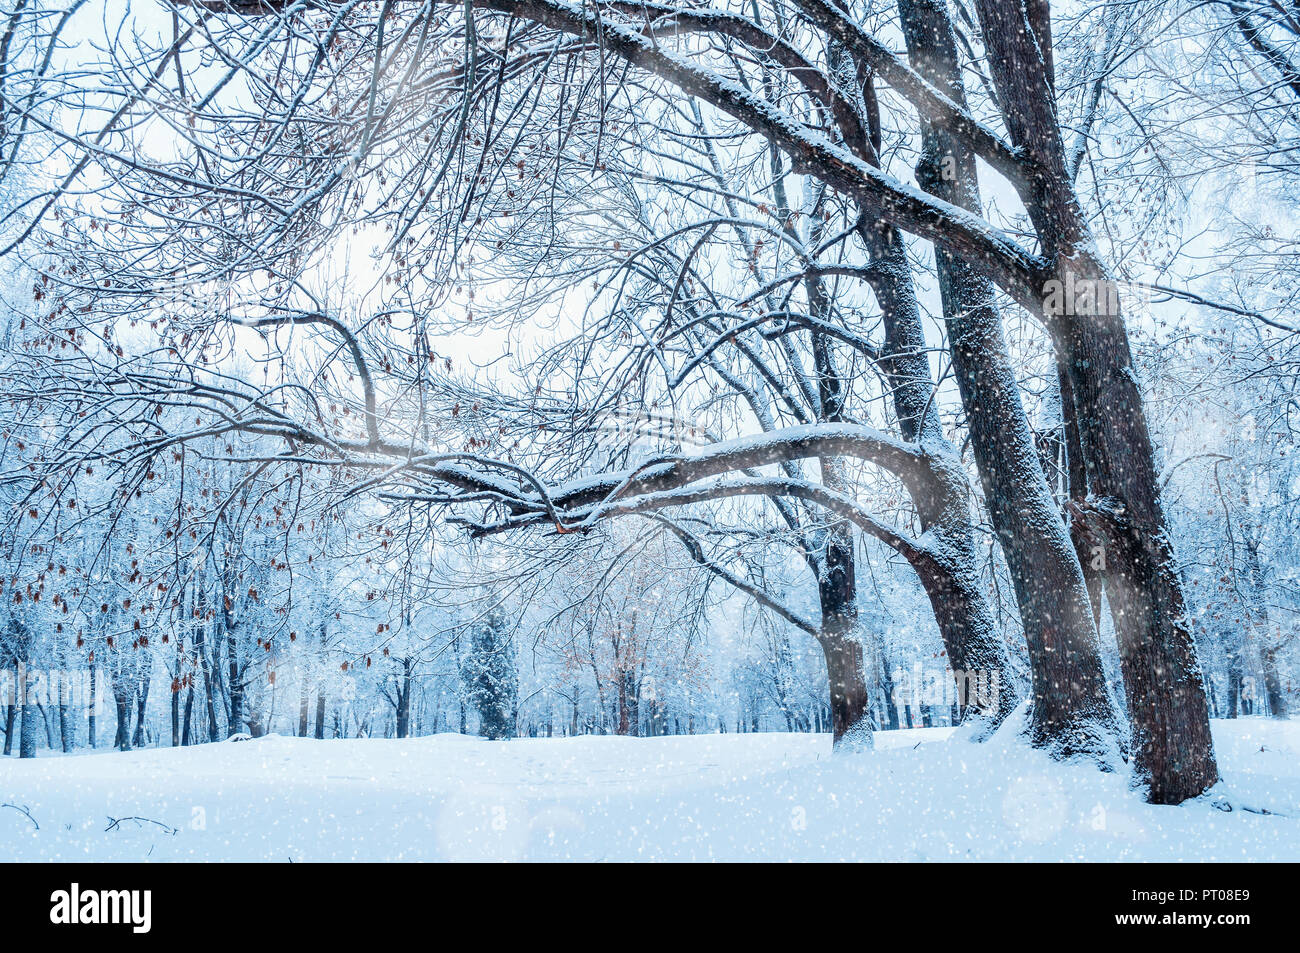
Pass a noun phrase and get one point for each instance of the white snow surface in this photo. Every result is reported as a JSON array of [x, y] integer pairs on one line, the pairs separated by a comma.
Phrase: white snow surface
[[920, 795]]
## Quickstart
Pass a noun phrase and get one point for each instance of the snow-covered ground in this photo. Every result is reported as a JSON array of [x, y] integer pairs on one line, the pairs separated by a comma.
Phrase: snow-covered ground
[[920, 795]]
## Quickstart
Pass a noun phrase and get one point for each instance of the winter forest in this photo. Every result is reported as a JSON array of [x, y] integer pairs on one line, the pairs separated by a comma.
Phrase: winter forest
[[854, 402]]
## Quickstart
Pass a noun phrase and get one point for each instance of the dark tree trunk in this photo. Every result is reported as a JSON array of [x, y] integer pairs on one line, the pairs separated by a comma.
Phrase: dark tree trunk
[[627, 716], [66, 729], [176, 712], [11, 713], [1090, 550], [210, 699], [847, 688], [1270, 637], [320, 690], [27, 730], [304, 706], [122, 704], [209, 666], [141, 700], [1273, 683], [187, 737], [1172, 747], [837, 592], [965, 620], [235, 685], [404, 699], [887, 686], [27, 711], [1234, 680], [1072, 709], [94, 704]]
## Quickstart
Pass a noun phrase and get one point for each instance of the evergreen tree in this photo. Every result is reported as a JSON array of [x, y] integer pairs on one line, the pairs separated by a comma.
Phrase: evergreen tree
[[489, 678]]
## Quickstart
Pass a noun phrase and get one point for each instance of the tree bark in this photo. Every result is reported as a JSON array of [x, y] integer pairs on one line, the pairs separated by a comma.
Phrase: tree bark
[[141, 700], [837, 591], [1273, 683], [94, 704], [1072, 712], [187, 737], [176, 713], [404, 699], [304, 696], [1168, 714], [26, 709], [122, 704], [962, 612], [11, 714], [235, 685]]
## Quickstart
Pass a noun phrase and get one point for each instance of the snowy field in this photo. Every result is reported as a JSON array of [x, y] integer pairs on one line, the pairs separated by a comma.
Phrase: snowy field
[[920, 795]]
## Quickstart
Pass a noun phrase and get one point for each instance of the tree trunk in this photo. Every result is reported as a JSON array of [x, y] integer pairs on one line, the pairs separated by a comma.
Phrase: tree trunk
[[94, 704], [965, 619], [1073, 712], [404, 699], [27, 731], [304, 704], [11, 713], [141, 700], [1172, 747], [235, 686], [624, 703], [848, 690], [122, 703], [209, 665], [1270, 642], [186, 731], [1272, 682], [887, 686], [1091, 553], [65, 729], [27, 712], [176, 713]]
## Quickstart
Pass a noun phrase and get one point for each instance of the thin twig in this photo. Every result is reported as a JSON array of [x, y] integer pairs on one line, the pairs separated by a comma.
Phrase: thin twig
[[140, 822], [25, 813]]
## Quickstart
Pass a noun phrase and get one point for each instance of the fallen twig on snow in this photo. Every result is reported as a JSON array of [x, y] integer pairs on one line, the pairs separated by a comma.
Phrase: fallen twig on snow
[[24, 812], [140, 822]]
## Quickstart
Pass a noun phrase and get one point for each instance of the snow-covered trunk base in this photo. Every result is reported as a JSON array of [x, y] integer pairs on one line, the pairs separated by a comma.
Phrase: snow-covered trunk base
[[1168, 712], [985, 694], [1173, 751], [837, 590], [1073, 712], [850, 720]]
